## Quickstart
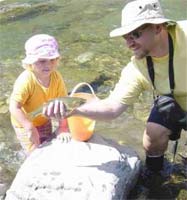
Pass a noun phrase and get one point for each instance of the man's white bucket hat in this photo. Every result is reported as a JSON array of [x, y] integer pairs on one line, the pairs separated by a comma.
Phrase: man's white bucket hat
[[139, 12]]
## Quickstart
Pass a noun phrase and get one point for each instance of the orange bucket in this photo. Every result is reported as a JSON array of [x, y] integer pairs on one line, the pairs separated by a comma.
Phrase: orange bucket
[[82, 128]]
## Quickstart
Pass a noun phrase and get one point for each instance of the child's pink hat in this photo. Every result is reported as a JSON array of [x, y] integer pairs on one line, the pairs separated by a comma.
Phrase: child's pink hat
[[41, 46]]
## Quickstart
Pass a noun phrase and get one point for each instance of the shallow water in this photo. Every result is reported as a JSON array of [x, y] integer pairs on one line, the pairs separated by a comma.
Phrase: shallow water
[[82, 29]]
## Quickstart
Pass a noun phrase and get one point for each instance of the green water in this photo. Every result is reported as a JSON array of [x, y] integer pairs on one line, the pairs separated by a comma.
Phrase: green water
[[82, 29]]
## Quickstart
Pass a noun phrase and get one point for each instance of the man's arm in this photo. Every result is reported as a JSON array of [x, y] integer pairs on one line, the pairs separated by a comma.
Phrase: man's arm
[[97, 109], [105, 109]]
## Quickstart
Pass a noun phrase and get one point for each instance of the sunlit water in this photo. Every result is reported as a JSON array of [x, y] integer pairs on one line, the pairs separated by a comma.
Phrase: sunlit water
[[82, 29]]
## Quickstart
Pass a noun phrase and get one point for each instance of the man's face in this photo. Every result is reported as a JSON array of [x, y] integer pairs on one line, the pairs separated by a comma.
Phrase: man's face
[[141, 40]]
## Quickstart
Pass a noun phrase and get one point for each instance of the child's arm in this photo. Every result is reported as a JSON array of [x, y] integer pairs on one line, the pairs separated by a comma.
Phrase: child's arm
[[16, 111]]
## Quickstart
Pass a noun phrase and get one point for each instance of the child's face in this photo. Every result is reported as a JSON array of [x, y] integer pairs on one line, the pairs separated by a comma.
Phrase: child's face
[[44, 67]]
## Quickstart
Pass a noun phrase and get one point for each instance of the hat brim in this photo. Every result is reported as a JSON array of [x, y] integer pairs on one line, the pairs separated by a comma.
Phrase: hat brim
[[33, 59], [129, 28]]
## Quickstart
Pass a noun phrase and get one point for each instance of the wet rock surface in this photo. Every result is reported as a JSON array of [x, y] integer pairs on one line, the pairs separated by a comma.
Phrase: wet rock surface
[[97, 169]]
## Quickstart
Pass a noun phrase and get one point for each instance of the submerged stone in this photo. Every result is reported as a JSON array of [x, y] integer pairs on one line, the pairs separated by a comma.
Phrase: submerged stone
[[13, 12], [84, 57]]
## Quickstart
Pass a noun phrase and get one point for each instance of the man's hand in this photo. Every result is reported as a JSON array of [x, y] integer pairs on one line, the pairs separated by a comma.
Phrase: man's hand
[[55, 109]]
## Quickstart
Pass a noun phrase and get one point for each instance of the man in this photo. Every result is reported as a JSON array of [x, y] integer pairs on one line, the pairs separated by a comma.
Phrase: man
[[158, 44]]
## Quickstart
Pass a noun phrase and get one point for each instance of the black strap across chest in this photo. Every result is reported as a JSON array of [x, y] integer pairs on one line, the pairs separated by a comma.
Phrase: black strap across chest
[[150, 66]]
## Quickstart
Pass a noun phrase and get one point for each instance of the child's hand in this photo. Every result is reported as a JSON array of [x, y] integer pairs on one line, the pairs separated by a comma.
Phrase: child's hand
[[34, 136], [64, 137]]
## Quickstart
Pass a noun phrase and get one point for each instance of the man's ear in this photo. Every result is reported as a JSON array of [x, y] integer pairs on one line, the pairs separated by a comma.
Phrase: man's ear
[[158, 28]]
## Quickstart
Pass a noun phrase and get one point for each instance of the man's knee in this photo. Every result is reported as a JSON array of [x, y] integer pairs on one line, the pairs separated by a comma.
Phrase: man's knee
[[155, 139]]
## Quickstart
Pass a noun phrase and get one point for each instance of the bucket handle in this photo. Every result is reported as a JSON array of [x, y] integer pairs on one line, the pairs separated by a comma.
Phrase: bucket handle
[[80, 85]]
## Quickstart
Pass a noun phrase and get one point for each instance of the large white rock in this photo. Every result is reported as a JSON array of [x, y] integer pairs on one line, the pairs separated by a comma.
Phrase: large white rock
[[96, 170]]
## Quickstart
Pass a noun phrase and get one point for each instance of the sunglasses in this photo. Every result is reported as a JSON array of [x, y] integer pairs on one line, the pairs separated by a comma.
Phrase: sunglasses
[[136, 34]]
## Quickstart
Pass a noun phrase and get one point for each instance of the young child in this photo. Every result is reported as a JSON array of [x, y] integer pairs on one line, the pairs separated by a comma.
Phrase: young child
[[37, 84]]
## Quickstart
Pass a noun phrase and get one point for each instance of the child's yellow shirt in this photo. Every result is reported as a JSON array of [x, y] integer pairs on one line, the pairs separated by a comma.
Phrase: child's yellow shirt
[[31, 94]]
